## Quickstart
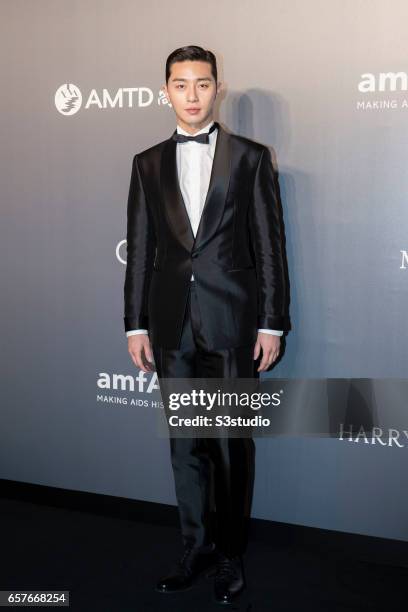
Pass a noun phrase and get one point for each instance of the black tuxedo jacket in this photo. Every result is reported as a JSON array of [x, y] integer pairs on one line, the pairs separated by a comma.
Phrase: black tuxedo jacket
[[236, 256]]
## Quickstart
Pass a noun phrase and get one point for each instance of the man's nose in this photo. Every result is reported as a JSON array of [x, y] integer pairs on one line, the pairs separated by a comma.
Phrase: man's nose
[[192, 95]]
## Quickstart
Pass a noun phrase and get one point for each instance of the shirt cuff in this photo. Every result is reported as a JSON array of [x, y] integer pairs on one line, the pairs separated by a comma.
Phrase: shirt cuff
[[274, 332], [133, 332]]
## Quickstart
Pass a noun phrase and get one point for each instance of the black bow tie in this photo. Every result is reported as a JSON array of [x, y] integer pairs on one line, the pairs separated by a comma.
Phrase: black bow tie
[[202, 138]]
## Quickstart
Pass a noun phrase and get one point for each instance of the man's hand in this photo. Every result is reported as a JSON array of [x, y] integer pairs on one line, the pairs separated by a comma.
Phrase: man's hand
[[140, 352], [270, 344]]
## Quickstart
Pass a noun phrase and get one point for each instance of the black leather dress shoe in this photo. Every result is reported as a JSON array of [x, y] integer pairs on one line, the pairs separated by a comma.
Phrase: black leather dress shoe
[[191, 566], [229, 579]]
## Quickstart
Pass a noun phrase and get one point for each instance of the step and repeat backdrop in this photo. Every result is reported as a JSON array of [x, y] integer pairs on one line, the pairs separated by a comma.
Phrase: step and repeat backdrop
[[324, 84]]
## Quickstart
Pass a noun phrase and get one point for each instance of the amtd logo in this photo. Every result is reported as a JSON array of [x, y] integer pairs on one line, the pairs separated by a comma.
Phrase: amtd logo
[[68, 98], [384, 81]]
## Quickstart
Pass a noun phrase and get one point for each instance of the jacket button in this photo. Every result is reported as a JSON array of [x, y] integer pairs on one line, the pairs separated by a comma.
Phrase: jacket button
[[194, 255]]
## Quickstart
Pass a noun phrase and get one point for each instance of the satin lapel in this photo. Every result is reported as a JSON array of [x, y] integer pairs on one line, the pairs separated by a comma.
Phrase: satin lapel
[[217, 189], [216, 195], [172, 197]]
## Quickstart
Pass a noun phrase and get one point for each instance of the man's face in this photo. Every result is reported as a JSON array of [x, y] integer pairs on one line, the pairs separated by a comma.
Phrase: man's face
[[191, 85]]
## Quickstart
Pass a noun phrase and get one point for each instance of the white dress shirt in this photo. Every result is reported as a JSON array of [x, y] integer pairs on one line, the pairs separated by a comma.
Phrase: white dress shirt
[[194, 164]]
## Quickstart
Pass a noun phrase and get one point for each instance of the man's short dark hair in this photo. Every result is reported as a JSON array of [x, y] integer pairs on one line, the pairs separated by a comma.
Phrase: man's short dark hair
[[191, 53]]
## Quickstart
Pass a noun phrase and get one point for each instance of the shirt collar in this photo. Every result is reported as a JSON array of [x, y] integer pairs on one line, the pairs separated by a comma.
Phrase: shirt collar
[[202, 131]]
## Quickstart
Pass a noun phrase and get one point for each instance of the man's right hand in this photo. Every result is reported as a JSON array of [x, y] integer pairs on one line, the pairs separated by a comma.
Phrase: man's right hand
[[140, 351]]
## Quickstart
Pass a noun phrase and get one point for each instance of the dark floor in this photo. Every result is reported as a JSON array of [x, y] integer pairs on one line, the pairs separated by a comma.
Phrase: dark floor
[[111, 565]]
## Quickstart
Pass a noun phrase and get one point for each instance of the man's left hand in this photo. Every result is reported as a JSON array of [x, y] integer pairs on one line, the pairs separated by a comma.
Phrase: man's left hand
[[270, 344]]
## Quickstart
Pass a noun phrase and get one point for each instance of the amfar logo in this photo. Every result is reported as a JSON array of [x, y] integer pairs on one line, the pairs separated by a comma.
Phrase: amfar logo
[[404, 260], [126, 384], [122, 382], [385, 81], [68, 98]]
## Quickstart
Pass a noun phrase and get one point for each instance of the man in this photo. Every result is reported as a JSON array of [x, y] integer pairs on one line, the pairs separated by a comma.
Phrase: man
[[205, 296]]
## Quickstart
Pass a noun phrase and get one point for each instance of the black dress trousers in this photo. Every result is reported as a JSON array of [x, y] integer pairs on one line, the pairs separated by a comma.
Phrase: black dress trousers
[[210, 471]]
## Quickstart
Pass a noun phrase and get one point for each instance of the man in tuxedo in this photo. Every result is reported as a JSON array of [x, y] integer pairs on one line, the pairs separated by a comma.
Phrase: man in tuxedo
[[205, 296]]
